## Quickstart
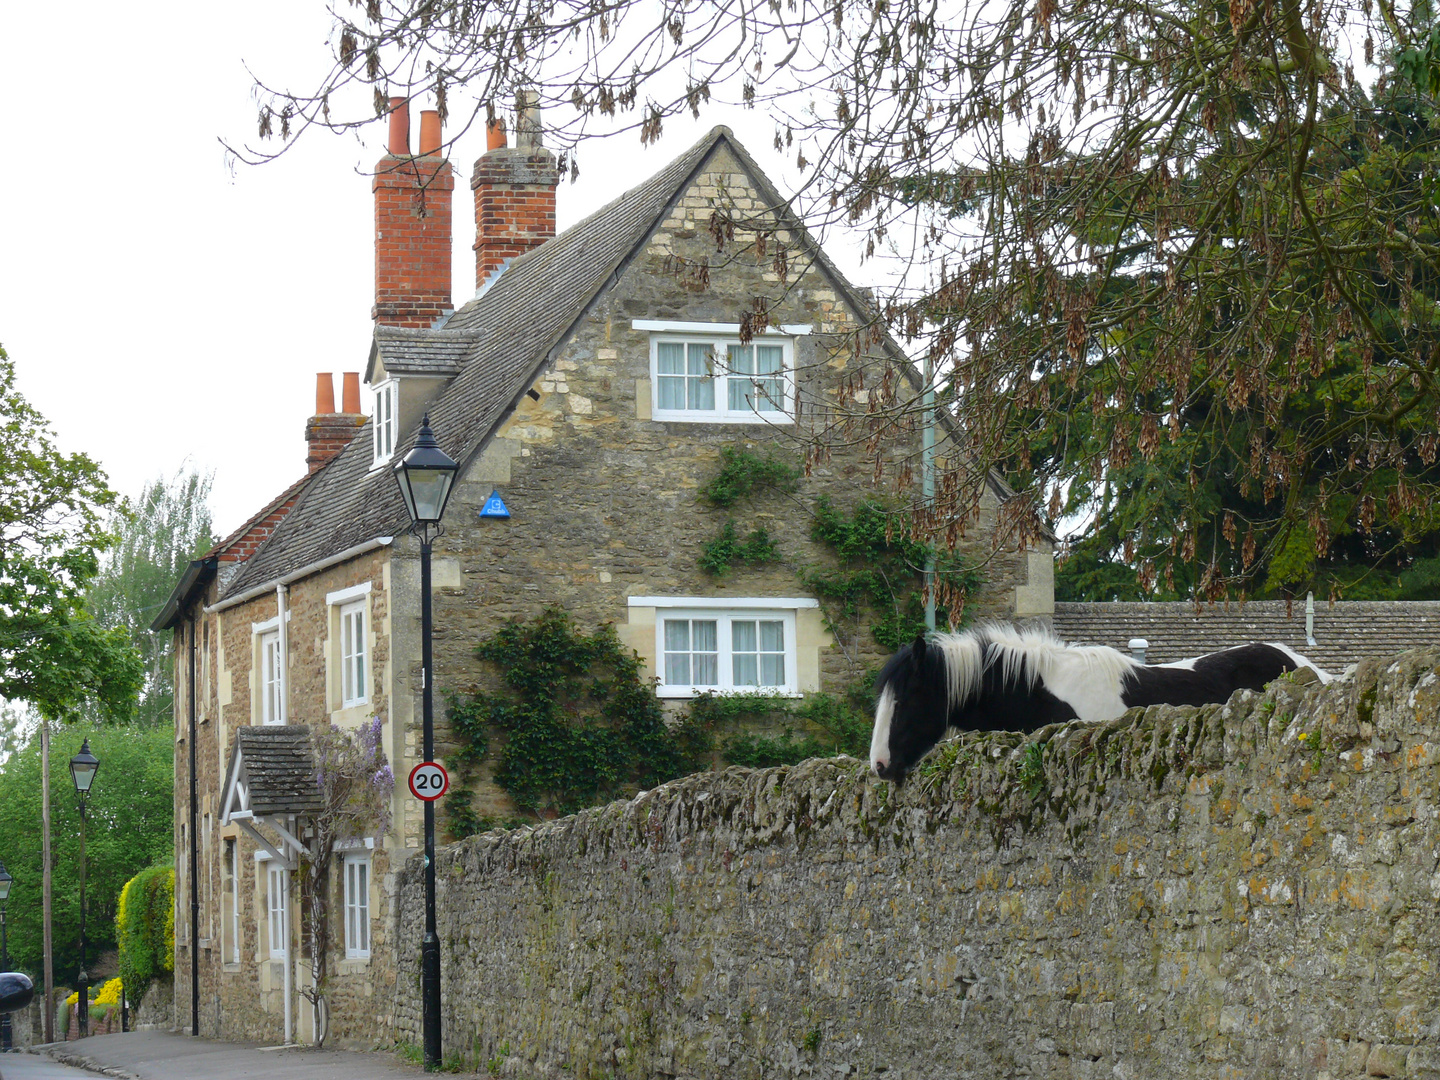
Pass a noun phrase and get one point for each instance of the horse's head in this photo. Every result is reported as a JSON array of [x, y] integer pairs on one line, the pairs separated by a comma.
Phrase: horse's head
[[910, 713]]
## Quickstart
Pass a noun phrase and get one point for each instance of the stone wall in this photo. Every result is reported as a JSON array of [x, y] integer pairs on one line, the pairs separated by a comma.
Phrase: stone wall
[[1239, 890]]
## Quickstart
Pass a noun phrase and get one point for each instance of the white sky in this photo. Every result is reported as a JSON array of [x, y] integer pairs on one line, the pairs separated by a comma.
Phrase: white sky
[[163, 312]]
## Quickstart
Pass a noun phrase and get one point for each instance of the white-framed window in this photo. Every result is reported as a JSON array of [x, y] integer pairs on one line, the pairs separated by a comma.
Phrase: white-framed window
[[383, 419], [354, 666], [357, 906], [230, 902], [272, 710], [742, 646], [712, 377], [277, 896]]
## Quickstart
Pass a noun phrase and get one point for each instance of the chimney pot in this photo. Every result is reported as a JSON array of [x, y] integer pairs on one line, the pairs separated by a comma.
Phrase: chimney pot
[[400, 127], [430, 132], [527, 120], [350, 400], [495, 135], [324, 393]]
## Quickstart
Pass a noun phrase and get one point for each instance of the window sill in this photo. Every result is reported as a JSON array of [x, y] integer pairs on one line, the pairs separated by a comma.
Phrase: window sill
[[666, 417], [353, 965], [677, 693]]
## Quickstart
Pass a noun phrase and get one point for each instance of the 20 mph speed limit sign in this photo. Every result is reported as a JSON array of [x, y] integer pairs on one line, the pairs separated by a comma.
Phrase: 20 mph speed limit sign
[[428, 781]]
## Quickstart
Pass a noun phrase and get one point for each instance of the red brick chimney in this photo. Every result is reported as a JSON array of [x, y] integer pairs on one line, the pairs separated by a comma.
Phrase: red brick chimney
[[329, 432], [413, 198], [514, 191]]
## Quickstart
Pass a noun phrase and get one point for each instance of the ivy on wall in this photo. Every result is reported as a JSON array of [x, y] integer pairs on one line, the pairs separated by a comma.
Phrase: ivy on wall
[[580, 725]]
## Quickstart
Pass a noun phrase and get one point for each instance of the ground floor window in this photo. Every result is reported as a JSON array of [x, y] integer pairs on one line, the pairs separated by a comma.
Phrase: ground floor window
[[357, 906], [278, 903], [740, 649]]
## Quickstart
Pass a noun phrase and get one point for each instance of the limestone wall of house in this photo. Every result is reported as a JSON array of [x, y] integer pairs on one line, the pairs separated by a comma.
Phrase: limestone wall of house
[[605, 499], [1239, 890], [245, 1000]]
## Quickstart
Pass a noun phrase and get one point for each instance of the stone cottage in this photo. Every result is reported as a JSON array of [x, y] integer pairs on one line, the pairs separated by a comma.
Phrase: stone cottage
[[593, 381]]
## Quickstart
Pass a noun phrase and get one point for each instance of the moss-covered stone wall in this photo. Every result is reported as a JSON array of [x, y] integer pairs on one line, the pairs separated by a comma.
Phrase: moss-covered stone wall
[[1243, 890]]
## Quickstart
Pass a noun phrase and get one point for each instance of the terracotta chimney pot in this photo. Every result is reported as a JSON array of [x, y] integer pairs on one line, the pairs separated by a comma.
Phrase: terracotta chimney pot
[[495, 134], [399, 127], [324, 393], [429, 132], [350, 401]]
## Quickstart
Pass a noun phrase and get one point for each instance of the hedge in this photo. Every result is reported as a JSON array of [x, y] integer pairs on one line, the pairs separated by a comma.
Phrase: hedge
[[145, 928]]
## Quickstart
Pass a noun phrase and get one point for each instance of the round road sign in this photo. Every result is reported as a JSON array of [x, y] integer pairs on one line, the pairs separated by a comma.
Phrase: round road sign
[[428, 781]]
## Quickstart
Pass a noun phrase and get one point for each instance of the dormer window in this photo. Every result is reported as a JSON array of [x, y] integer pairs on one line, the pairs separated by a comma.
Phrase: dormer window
[[384, 421]]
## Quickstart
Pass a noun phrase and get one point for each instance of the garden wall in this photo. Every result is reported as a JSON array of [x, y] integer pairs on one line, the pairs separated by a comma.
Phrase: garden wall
[[1239, 890]]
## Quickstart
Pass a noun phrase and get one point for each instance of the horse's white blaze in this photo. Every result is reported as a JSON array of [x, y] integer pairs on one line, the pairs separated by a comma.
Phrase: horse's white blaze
[[1300, 661], [880, 737]]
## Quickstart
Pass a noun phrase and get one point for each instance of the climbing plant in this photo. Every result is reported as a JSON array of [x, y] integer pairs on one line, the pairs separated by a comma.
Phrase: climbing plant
[[721, 553], [580, 722], [879, 574], [743, 473]]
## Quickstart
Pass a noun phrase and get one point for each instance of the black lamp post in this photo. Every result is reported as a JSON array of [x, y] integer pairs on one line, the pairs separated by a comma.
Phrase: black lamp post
[[83, 767], [425, 476], [5, 880]]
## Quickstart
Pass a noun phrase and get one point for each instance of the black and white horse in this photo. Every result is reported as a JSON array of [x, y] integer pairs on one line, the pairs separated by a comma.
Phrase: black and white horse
[[1000, 679]]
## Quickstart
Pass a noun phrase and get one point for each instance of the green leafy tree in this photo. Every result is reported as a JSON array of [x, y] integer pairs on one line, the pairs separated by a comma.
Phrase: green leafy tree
[[1145, 196], [1186, 510], [159, 533], [53, 654], [128, 827]]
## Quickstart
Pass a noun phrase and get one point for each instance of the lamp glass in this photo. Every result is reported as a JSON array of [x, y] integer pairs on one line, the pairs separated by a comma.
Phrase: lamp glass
[[5, 880], [425, 475], [83, 767]]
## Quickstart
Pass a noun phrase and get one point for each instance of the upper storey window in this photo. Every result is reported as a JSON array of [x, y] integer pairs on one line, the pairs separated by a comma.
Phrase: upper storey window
[[703, 373], [384, 421]]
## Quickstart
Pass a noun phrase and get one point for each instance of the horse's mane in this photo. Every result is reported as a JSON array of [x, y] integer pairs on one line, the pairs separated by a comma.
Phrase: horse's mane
[[1024, 656]]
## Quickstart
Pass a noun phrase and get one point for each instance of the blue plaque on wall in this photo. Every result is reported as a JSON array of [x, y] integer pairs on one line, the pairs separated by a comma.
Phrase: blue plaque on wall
[[494, 506]]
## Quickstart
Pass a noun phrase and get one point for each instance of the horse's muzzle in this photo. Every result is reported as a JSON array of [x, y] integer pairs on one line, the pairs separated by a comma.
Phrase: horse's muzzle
[[889, 772]]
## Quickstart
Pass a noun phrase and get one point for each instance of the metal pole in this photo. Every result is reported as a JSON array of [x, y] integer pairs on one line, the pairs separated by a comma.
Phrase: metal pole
[[48, 1005], [194, 851], [84, 980], [5, 1038], [927, 484], [430, 946]]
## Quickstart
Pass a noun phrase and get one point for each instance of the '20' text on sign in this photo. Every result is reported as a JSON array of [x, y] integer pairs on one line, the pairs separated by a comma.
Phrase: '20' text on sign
[[428, 781]]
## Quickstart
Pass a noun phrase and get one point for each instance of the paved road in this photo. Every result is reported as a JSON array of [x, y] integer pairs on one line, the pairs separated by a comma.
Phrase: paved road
[[163, 1055], [33, 1067]]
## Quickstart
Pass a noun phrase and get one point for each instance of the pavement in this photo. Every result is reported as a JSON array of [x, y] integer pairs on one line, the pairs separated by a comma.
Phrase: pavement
[[165, 1055]]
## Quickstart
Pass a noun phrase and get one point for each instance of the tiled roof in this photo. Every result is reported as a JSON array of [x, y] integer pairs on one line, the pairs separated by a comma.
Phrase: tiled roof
[[406, 351], [241, 544], [515, 323], [1345, 632], [279, 769]]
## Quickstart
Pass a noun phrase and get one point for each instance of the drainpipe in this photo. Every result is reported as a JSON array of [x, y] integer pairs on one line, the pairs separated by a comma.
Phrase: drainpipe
[[289, 949], [284, 630], [280, 591], [194, 853], [1310, 619]]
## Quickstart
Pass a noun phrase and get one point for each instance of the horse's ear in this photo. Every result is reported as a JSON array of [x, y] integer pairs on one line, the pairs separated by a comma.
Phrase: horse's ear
[[917, 649]]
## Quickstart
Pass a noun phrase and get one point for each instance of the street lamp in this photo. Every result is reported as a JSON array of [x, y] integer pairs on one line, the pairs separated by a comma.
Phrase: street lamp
[[5, 880], [425, 476], [83, 767]]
